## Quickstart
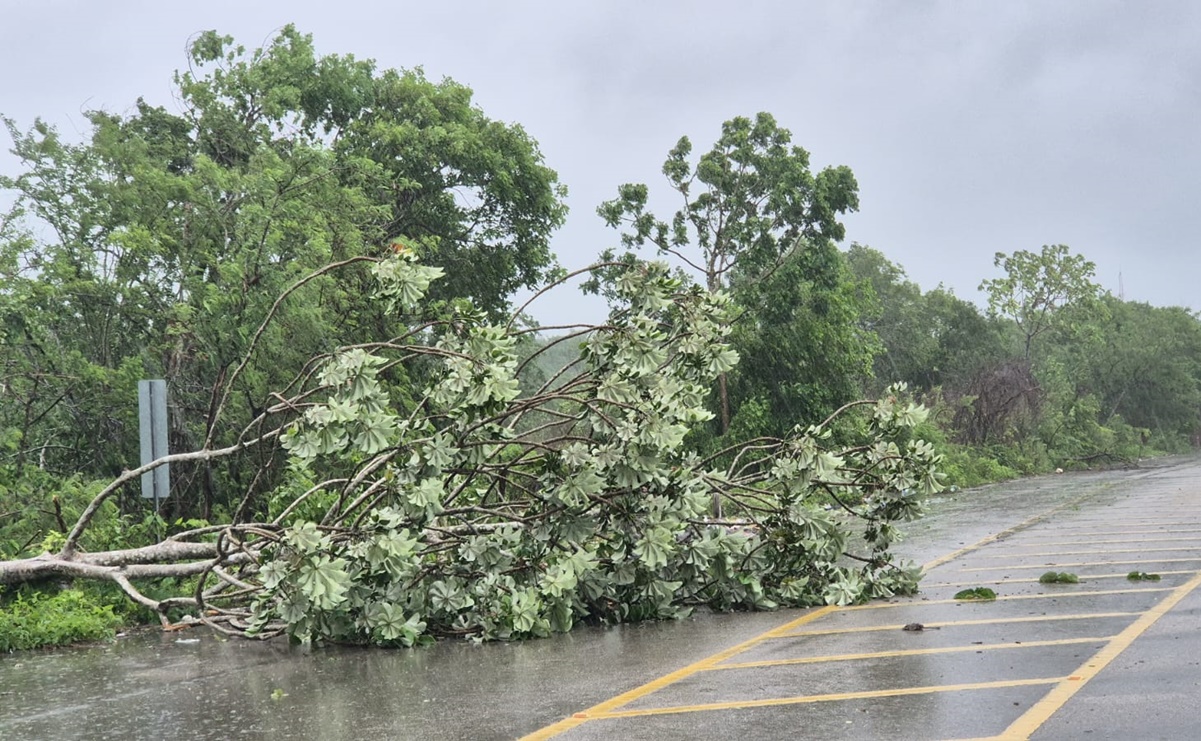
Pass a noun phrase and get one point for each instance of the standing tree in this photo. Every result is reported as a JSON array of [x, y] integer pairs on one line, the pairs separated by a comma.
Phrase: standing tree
[[1044, 396], [803, 348], [169, 237], [1138, 369], [932, 339], [757, 222], [1036, 288], [894, 310], [1147, 368]]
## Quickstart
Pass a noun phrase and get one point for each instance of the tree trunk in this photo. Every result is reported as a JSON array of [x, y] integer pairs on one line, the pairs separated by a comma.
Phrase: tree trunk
[[723, 401], [155, 561]]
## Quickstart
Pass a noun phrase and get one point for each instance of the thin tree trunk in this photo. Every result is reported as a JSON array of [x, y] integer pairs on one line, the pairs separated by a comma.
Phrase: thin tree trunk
[[723, 395], [723, 401]]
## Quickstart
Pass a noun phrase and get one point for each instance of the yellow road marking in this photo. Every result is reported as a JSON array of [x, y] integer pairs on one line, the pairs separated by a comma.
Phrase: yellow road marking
[[1024, 524], [806, 699], [667, 679], [1004, 597], [608, 708], [1052, 554], [908, 652], [1084, 578], [1044, 566], [1036, 716], [982, 621]]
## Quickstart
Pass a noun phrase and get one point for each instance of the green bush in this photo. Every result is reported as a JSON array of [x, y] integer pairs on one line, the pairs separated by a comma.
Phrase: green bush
[[36, 505], [966, 467], [33, 619]]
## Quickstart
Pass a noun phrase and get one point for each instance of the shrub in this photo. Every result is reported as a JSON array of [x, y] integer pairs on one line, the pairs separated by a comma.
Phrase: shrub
[[966, 467], [33, 619]]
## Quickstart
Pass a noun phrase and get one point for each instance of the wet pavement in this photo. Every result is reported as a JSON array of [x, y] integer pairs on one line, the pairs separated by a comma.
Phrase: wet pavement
[[1104, 658]]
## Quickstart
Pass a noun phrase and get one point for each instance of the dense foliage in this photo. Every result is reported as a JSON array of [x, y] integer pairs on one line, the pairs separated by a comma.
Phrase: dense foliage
[[468, 520], [1058, 374], [158, 247], [758, 223], [452, 513], [33, 619]]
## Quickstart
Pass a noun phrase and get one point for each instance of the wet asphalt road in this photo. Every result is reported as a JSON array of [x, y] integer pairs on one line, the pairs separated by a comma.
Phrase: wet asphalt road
[[1106, 658]]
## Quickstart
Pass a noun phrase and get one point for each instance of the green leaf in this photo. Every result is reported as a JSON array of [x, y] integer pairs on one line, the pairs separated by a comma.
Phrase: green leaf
[[304, 537], [323, 581]]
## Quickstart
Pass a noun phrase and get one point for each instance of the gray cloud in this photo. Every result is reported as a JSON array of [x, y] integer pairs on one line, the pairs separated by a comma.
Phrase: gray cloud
[[973, 127]]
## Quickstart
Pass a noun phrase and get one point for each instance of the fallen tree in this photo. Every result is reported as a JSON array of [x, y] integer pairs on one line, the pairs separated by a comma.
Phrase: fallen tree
[[476, 508]]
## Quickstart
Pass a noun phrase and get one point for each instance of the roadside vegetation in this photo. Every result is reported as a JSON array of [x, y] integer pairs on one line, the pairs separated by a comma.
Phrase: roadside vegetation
[[35, 618], [372, 444]]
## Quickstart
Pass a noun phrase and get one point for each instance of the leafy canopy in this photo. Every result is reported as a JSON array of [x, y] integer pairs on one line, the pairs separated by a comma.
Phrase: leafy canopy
[[161, 246], [756, 221], [1036, 288]]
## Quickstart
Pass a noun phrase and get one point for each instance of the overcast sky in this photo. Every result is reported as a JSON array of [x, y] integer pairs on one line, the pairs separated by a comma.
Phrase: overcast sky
[[972, 127]]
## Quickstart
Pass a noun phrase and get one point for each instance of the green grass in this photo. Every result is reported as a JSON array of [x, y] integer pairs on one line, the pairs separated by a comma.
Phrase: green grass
[[35, 619]]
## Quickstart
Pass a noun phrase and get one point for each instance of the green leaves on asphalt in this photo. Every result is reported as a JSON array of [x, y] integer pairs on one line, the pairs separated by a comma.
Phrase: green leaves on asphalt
[[1061, 577], [1142, 576], [976, 594]]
